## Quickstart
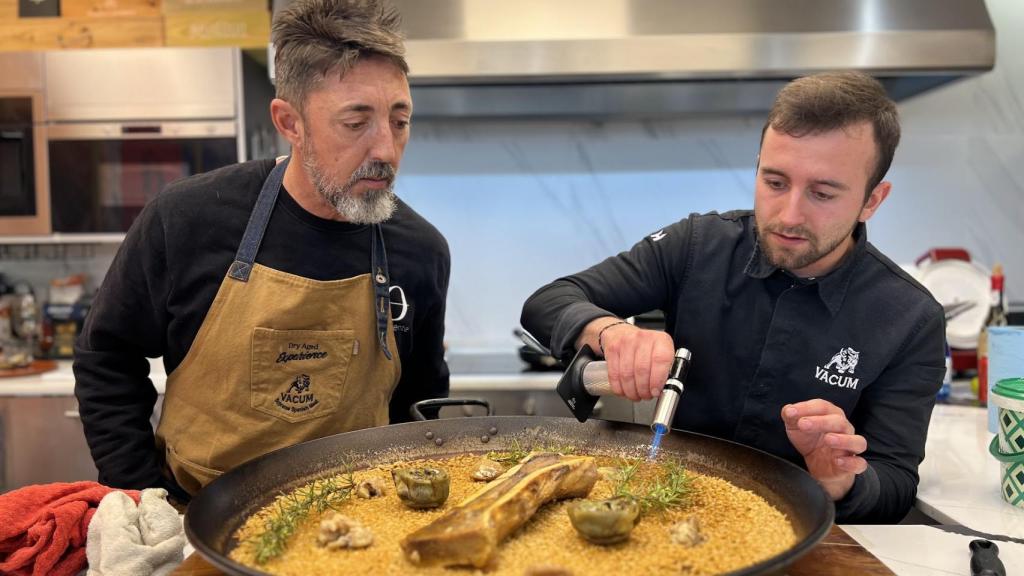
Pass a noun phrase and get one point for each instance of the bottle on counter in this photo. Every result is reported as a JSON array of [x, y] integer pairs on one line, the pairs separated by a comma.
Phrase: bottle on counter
[[28, 320], [6, 332], [18, 327], [947, 378], [996, 317], [6, 323]]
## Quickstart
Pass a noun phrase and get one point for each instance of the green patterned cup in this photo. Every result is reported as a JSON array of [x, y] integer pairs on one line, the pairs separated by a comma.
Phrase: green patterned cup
[[1008, 445]]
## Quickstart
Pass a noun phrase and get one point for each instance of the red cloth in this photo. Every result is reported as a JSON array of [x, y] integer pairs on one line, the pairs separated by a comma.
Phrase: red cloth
[[43, 527]]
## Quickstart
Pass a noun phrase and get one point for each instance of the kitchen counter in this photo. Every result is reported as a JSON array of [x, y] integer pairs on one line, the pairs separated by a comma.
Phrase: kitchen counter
[[485, 373], [959, 488], [960, 479]]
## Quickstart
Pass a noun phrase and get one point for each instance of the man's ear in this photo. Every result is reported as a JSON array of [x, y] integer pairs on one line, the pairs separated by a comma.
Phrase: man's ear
[[287, 120], [875, 199]]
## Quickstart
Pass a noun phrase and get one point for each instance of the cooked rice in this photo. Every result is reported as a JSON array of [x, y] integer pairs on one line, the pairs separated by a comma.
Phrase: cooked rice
[[740, 529]]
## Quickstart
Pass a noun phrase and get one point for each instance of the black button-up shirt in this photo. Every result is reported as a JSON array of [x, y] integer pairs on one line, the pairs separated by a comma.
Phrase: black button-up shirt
[[866, 337]]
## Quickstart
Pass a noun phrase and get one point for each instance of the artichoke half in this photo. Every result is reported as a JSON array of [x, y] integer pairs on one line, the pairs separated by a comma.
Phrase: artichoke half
[[604, 521], [421, 487]]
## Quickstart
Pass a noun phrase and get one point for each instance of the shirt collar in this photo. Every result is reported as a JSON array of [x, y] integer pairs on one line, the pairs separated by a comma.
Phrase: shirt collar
[[832, 286]]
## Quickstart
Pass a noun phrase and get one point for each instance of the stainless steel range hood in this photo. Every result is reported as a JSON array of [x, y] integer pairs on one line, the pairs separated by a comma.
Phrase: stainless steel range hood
[[605, 58]]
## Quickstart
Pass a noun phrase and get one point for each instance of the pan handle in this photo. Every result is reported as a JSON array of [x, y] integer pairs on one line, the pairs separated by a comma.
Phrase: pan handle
[[985, 559], [416, 410]]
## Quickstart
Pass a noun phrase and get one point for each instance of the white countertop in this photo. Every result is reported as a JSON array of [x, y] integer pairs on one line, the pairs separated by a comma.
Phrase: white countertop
[[61, 382], [959, 479], [920, 550], [959, 486]]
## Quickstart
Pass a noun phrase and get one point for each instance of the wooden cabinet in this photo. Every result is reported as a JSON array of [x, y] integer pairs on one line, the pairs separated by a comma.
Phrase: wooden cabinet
[[41, 441], [25, 191]]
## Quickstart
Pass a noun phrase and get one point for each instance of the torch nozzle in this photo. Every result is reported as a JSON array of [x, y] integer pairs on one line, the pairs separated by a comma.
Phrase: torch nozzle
[[665, 409]]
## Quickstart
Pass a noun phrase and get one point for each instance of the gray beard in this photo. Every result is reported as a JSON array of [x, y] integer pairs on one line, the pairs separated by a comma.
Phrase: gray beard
[[374, 207]]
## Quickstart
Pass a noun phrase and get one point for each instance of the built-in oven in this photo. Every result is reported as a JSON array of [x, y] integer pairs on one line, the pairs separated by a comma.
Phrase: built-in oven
[[24, 199], [103, 174], [122, 124]]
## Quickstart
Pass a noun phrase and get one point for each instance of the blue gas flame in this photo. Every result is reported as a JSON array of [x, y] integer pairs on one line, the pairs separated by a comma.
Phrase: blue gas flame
[[659, 431]]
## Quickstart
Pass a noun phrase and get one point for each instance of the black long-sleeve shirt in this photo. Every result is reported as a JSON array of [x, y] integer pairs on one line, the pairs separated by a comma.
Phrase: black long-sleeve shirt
[[167, 272], [866, 337]]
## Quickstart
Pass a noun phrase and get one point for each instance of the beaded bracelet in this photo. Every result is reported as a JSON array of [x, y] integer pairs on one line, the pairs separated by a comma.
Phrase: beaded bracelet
[[600, 334]]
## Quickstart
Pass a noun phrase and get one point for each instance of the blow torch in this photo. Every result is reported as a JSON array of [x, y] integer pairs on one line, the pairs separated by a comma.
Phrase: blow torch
[[586, 380]]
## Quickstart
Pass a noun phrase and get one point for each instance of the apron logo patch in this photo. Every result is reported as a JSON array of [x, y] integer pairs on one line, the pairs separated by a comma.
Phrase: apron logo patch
[[298, 397], [301, 351]]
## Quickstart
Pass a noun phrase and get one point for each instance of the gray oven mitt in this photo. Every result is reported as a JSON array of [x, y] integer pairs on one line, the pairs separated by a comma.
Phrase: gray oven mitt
[[129, 540]]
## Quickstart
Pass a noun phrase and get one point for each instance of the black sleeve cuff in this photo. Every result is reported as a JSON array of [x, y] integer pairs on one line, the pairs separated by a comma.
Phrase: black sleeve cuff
[[861, 499], [570, 323]]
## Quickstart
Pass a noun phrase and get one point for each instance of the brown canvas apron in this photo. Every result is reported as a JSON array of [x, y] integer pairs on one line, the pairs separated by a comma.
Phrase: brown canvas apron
[[279, 359]]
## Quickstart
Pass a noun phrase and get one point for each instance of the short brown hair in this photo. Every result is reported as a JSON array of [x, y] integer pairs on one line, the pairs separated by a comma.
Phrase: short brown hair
[[313, 38], [834, 100]]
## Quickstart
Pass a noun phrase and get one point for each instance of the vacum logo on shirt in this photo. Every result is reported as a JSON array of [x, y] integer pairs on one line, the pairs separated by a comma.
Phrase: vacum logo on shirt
[[843, 362]]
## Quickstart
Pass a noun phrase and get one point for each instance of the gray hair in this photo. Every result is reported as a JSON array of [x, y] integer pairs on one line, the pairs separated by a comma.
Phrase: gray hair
[[314, 38]]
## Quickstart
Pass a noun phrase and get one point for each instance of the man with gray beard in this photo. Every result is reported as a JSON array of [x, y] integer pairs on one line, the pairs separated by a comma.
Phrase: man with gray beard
[[807, 342], [288, 299]]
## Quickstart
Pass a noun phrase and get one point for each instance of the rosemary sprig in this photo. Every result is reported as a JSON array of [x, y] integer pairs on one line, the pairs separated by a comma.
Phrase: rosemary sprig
[[624, 474], [670, 490], [291, 509], [515, 454], [512, 456]]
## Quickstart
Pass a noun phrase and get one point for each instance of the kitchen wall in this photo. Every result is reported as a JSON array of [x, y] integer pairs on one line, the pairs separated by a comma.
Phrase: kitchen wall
[[523, 203]]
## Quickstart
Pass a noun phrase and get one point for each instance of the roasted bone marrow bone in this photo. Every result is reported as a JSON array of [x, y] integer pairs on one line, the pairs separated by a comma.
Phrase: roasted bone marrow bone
[[604, 521], [470, 532], [421, 487]]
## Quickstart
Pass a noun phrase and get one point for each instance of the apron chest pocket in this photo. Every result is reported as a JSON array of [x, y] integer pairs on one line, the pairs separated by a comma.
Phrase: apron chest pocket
[[299, 375]]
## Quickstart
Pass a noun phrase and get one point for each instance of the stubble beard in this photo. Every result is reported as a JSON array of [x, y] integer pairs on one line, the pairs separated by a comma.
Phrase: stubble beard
[[817, 248], [373, 207]]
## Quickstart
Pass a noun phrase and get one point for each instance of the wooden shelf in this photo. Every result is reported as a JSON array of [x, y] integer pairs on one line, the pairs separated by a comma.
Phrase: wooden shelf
[[61, 33], [59, 238]]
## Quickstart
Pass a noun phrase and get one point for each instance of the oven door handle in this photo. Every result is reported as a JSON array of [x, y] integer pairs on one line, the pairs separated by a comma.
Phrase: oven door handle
[[142, 130], [149, 129]]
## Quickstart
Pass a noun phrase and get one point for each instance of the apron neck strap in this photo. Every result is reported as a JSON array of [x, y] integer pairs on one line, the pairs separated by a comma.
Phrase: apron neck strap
[[257, 226], [381, 287], [258, 220]]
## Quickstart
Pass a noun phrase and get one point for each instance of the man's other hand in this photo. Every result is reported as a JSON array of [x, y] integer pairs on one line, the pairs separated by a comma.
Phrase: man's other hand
[[820, 431], [638, 360]]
